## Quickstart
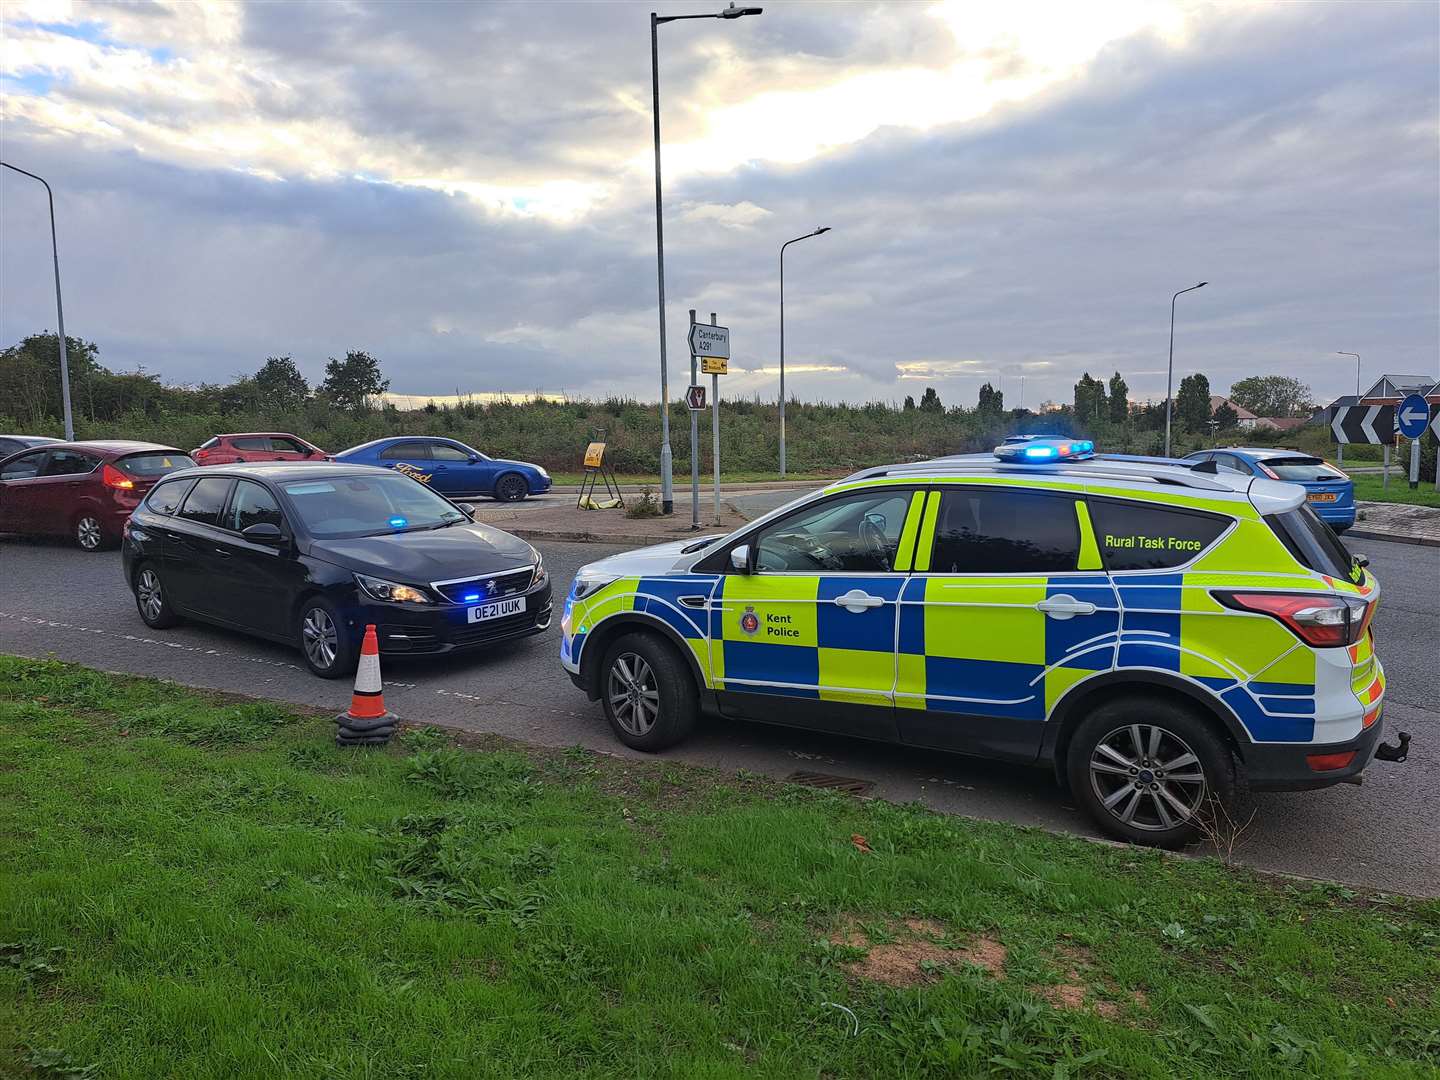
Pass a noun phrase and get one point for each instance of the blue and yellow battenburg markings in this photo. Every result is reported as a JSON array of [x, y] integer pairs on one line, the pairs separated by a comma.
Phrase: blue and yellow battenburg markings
[[977, 645]]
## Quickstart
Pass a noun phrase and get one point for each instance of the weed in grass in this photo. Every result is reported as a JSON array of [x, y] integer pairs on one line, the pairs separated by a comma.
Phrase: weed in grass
[[35, 963], [312, 757], [52, 1062], [416, 739]]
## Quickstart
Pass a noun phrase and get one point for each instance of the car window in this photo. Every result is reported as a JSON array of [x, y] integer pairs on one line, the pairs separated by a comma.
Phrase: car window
[[406, 451], [210, 443], [1138, 536], [346, 506], [9, 446], [995, 531], [147, 465], [252, 504], [206, 500], [165, 497], [446, 452], [250, 444], [855, 533], [1231, 462], [287, 446], [24, 467], [1313, 543], [1301, 469], [69, 463]]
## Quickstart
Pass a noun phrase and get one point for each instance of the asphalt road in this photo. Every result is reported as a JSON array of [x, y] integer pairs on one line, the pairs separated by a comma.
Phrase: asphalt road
[[56, 600]]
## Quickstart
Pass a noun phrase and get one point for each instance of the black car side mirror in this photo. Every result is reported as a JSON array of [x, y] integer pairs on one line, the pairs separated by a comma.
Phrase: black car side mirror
[[264, 532], [474, 459]]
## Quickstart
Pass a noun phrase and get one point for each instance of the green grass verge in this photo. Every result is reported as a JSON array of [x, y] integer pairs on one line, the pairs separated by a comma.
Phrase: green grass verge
[[195, 887], [1369, 488]]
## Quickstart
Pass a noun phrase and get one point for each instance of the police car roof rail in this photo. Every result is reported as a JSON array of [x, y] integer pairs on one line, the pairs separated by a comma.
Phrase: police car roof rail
[[1093, 468]]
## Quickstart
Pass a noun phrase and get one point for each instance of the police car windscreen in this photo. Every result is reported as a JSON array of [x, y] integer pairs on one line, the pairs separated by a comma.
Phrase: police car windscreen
[[349, 506]]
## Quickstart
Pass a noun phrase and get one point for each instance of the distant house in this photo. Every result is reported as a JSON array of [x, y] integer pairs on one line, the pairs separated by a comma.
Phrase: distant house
[[1280, 423], [1390, 389], [1246, 419], [1326, 415]]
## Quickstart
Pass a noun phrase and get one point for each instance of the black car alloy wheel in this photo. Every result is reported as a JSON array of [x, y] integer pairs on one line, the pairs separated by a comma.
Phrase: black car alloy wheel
[[324, 642], [151, 601]]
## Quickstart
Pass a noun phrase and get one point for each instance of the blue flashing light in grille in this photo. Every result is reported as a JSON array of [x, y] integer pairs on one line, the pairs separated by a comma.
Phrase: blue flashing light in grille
[[470, 597]]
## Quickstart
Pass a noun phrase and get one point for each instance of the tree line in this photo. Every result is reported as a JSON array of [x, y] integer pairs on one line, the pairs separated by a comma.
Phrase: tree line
[[344, 409]]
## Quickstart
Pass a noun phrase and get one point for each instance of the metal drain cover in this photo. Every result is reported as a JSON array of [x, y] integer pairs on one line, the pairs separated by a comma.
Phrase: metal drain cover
[[848, 784]]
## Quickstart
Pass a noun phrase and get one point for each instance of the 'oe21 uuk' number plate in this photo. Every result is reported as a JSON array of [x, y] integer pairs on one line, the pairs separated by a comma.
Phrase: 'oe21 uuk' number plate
[[498, 610]]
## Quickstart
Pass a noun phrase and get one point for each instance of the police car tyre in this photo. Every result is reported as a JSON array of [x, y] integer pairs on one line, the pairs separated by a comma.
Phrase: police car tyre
[[320, 632], [511, 488], [647, 692], [1150, 771], [151, 600]]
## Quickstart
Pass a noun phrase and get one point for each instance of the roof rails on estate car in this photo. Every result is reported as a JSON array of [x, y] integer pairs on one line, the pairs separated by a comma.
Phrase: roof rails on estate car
[[1096, 467]]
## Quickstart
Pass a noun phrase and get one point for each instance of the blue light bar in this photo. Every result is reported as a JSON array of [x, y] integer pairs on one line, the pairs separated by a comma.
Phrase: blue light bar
[[471, 597], [1040, 449]]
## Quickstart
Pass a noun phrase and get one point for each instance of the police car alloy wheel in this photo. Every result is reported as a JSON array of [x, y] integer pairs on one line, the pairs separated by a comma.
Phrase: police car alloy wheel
[[151, 601], [1150, 771], [89, 536], [647, 692]]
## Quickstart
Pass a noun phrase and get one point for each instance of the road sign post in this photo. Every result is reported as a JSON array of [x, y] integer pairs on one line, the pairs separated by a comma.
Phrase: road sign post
[[694, 437], [715, 421], [1412, 418]]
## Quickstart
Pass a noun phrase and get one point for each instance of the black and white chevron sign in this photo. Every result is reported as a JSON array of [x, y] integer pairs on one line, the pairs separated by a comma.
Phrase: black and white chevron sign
[[1364, 424]]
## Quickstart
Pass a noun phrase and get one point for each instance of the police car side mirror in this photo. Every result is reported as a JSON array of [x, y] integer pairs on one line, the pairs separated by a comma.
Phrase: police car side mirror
[[740, 558]]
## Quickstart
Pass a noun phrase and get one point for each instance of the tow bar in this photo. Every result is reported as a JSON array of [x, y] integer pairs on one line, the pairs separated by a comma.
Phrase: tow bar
[[1398, 752]]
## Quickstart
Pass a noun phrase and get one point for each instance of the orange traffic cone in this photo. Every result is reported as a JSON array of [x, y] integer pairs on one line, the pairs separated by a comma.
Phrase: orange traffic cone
[[366, 722]]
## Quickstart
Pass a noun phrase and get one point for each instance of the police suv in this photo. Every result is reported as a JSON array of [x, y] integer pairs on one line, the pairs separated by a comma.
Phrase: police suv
[[1159, 635]]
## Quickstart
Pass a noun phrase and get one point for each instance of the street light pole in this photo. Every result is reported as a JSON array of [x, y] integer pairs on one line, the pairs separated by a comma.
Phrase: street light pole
[[1340, 352], [1170, 368], [807, 236], [59, 307], [667, 492]]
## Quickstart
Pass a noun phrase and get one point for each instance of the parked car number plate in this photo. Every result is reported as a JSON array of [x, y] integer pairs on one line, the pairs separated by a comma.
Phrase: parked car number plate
[[1322, 496], [498, 610]]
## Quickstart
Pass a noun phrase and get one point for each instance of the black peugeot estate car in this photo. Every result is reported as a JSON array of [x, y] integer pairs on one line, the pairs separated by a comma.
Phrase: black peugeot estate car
[[309, 554]]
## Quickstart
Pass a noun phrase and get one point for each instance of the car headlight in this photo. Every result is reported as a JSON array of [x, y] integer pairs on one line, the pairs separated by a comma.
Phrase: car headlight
[[542, 472], [540, 572], [587, 584], [395, 593]]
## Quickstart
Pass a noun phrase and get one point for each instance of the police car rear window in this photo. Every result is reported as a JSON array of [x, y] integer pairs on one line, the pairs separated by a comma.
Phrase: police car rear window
[[1312, 542], [980, 531], [1137, 536]]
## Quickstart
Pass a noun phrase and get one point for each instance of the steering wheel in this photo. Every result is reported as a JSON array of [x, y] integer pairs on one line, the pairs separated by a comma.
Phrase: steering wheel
[[874, 538]]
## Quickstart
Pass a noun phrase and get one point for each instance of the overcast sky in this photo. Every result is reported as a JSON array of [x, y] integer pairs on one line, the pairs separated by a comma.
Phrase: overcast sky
[[465, 190]]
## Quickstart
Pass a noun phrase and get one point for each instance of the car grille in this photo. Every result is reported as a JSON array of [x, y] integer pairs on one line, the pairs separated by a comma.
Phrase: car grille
[[400, 637], [487, 587]]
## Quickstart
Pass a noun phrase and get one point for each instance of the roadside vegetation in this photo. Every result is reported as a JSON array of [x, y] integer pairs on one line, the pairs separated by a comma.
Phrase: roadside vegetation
[[204, 887], [824, 439], [1370, 488]]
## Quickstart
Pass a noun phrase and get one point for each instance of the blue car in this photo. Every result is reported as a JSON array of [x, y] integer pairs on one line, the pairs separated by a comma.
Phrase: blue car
[[1330, 492], [455, 470]]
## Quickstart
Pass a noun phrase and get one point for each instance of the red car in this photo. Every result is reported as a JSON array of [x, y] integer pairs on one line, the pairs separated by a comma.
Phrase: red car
[[256, 446], [84, 490]]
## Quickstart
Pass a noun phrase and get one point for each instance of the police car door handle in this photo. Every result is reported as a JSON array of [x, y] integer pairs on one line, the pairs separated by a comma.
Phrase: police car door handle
[[1063, 606], [856, 600]]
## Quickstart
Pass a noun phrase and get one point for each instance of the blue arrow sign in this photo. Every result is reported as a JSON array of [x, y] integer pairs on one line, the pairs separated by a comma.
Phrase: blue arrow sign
[[1413, 416]]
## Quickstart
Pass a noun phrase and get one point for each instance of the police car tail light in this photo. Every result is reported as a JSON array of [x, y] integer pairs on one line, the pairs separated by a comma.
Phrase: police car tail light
[[1322, 622], [112, 477]]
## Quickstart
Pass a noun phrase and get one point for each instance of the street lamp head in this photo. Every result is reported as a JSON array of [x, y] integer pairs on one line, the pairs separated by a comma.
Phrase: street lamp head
[[821, 229], [733, 12], [1202, 284]]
